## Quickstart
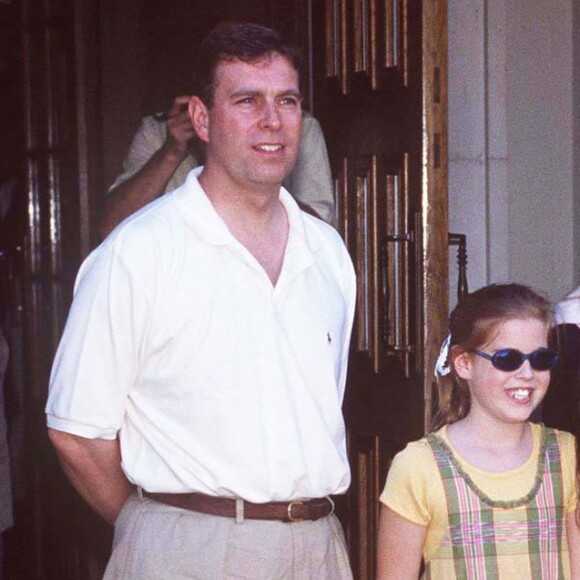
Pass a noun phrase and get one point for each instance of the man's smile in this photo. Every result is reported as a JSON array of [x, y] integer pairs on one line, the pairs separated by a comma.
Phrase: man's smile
[[269, 148]]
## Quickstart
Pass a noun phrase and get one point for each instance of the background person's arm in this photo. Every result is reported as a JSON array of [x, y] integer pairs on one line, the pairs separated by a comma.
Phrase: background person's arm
[[156, 169], [310, 182], [93, 466]]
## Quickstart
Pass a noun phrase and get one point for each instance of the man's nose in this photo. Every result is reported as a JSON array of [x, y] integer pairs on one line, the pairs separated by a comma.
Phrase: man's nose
[[271, 118]]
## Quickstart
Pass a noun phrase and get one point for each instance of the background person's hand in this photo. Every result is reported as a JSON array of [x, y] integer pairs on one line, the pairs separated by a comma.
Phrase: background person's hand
[[179, 128]]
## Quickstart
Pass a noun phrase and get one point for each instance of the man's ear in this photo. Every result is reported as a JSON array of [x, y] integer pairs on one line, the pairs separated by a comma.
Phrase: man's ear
[[462, 362], [199, 115]]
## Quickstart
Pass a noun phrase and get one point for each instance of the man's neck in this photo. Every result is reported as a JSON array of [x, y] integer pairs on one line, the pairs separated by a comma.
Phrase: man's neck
[[251, 202], [255, 217]]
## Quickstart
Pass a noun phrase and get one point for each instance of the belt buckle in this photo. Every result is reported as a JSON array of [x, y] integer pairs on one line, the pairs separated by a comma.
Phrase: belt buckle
[[289, 511]]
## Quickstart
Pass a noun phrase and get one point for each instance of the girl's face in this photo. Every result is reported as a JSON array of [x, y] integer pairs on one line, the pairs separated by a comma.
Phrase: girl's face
[[507, 397]]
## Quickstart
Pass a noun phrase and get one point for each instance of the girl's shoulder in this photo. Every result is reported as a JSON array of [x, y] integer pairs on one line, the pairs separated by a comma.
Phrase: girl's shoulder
[[412, 488], [416, 454], [566, 441], [414, 465], [567, 451], [567, 447], [565, 438]]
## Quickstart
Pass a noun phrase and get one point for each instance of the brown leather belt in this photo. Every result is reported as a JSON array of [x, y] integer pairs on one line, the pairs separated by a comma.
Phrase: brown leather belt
[[285, 511]]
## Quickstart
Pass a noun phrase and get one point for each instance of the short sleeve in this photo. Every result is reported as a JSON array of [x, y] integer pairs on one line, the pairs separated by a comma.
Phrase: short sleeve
[[98, 356], [147, 140], [406, 489], [311, 180], [567, 446]]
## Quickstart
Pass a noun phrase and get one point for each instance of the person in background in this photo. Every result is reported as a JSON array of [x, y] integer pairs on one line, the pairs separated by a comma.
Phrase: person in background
[[165, 149], [567, 311], [488, 494], [195, 398], [561, 404]]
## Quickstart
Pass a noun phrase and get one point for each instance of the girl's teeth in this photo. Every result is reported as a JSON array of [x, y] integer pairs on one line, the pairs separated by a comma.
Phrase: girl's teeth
[[520, 394]]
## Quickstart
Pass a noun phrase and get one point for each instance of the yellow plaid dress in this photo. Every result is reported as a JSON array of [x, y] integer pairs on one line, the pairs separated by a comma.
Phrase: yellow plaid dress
[[482, 532]]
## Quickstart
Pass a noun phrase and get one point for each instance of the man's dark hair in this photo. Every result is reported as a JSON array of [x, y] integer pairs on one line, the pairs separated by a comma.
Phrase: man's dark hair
[[243, 41]]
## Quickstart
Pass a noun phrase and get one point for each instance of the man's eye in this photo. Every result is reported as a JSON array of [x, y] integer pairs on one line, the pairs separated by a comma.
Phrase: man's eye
[[291, 101], [245, 101]]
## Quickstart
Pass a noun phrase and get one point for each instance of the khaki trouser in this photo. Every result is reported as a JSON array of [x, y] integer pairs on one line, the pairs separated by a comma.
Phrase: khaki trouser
[[154, 541]]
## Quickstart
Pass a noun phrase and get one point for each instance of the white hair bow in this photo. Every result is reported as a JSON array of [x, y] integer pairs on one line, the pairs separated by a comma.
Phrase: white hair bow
[[443, 366]]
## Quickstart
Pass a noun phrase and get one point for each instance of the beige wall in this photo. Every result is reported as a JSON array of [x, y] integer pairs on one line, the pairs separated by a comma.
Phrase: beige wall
[[540, 143], [576, 115], [511, 154]]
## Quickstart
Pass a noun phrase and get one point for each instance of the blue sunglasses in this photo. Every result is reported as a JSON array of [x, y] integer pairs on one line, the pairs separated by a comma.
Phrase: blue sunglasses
[[511, 359]]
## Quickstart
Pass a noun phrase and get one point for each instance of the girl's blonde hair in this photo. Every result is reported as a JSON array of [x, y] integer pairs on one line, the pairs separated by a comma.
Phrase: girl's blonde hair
[[471, 325]]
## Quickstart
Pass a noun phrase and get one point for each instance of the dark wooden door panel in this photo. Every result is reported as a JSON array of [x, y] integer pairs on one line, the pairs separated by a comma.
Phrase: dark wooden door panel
[[55, 535], [372, 68]]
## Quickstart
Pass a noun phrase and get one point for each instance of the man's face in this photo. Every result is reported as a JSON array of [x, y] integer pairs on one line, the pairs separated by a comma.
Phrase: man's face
[[253, 127]]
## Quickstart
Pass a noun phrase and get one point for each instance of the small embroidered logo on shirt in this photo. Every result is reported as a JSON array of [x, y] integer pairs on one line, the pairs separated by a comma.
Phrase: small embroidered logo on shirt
[[328, 338]]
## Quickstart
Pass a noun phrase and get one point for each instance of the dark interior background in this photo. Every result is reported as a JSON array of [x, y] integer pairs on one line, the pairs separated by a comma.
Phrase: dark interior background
[[171, 33], [76, 77]]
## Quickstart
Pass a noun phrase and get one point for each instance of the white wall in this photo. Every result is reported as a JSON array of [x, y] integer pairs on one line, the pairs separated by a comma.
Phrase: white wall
[[511, 140], [576, 111], [540, 143], [467, 135]]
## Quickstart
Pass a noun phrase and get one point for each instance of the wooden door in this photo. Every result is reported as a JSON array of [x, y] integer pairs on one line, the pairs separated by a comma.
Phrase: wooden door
[[56, 154], [378, 88]]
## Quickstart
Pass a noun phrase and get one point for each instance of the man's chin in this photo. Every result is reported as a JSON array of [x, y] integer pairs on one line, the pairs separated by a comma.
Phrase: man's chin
[[270, 179]]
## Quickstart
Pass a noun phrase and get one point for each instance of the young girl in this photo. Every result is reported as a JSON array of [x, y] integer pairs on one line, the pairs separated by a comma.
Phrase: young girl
[[488, 494]]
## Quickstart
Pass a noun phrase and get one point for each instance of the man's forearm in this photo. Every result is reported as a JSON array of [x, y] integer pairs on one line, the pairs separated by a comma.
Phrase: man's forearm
[[93, 466], [140, 189]]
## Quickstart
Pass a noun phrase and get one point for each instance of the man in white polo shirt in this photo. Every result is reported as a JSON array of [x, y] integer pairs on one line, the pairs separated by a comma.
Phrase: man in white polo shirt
[[195, 399]]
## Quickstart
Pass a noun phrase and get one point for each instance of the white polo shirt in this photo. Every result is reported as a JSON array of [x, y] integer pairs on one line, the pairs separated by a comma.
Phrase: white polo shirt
[[214, 380]]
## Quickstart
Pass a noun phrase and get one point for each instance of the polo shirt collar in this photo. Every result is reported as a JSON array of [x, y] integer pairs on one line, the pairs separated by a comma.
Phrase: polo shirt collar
[[198, 211]]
